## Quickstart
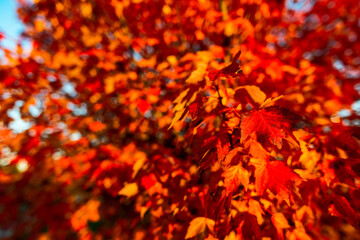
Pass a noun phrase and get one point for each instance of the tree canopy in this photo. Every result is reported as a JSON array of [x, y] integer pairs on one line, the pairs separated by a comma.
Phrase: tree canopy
[[163, 119]]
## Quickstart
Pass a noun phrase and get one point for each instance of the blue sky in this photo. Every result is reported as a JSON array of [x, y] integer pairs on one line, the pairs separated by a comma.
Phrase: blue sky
[[10, 25]]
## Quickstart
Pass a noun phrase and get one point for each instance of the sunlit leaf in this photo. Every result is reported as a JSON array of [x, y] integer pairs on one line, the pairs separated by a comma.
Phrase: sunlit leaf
[[199, 225], [129, 190]]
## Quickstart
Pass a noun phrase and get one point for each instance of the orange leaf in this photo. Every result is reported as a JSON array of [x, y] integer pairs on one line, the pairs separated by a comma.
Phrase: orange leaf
[[280, 223], [261, 179], [88, 212], [234, 176], [256, 150], [231, 154], [256, 210], [222, 149], [96, 126]]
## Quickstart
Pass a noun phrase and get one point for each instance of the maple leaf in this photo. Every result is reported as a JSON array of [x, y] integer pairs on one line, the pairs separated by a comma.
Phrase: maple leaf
[[256, 210], [148, 181], [88, 212], [254, 92], [96, 126], [232, 70], [222, 147], [233, 176], [280, 223], [268, 122], [92, 54], [129, 190], [198, 226], [276, 177], [185, 99], [197, 75], [142, 105], [231, 154], [256, 150]]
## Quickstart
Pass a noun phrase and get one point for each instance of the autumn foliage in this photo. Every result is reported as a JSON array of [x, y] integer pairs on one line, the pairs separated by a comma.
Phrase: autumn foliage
[[182, 119]]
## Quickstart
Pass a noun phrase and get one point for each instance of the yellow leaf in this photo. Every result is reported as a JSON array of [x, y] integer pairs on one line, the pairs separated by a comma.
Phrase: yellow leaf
[[172, 60], [86, 10], [309, 159], [255, 93], [279, 221], [143, 210], [224, 94], [198, 225], [256, 210], [181, 96], [129, 190], [299, 234], [229, 28], [140, 160], [179, 106], [197, 75], [268, 102], [177, 117]]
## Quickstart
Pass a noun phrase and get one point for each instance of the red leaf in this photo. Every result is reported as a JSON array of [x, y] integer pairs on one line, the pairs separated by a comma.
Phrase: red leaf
[[142, 105], [232, 70], [248, 227], [342, 208], [276, 177], [268, 122], [222, 147], [148, 181]]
